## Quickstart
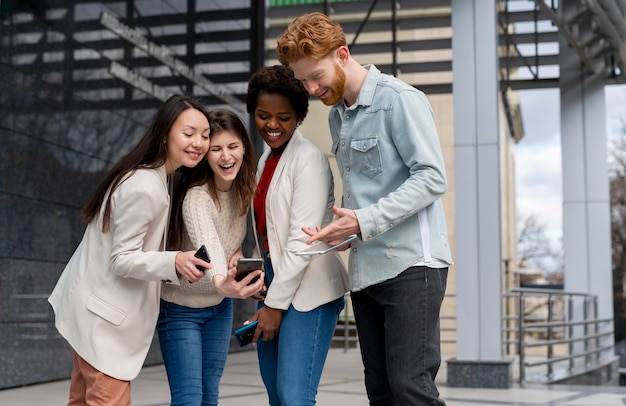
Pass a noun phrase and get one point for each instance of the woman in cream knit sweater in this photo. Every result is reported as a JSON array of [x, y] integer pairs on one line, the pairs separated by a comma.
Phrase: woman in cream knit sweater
[[209, 208]]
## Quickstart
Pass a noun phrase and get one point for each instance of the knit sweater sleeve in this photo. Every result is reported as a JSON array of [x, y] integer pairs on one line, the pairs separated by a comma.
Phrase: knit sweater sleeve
[[198, 213]]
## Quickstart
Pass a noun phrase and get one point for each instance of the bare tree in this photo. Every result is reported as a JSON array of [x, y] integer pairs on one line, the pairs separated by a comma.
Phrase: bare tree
[[536, 250]]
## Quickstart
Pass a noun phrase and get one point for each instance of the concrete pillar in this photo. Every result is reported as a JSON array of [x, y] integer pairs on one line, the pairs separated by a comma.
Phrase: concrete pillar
[[478, 258], [586, 204]]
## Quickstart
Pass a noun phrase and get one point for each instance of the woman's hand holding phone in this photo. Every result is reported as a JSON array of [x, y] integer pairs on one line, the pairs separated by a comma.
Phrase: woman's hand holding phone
[[229, 286], [187, 263]]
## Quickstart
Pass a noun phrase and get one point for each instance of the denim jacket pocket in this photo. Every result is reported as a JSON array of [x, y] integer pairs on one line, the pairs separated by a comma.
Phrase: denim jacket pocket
[[367, 155]]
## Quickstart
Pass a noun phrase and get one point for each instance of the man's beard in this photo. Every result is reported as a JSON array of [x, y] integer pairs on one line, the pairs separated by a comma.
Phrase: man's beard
[[336, 88]]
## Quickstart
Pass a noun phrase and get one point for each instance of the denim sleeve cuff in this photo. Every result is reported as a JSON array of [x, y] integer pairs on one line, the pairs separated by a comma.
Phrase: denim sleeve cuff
[[367, 225]]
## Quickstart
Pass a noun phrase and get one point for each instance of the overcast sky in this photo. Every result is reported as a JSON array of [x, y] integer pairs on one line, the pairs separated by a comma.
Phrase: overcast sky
[[538, 154]]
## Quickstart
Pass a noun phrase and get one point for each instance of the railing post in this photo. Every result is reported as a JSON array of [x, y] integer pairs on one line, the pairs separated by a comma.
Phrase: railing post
[[596, 329], [549, 337], [520, 336], [586, 328], [570, 330], [507, 325]]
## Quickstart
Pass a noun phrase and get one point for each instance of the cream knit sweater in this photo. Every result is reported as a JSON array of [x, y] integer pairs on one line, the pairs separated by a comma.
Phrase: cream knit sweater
[[221, 229]]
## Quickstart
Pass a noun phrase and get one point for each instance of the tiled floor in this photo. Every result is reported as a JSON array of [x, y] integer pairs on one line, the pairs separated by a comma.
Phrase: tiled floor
[[342, 384]]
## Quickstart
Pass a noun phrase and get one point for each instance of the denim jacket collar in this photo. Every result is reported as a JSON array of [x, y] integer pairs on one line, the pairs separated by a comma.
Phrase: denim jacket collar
[[366, 95]]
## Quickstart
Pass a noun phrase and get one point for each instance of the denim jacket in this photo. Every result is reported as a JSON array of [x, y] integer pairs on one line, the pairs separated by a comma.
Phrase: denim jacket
[[391, 165]]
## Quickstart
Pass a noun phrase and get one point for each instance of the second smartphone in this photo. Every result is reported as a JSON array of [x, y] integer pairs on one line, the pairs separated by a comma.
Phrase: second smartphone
[[247, 265], [202, 254]]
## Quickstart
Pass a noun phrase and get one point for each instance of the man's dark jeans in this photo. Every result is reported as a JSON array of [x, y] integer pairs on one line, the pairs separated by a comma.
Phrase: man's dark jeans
[[398, 325]]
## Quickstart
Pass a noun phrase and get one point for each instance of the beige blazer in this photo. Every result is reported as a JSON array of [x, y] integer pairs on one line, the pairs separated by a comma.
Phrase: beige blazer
[[106, 301], [300, 194]]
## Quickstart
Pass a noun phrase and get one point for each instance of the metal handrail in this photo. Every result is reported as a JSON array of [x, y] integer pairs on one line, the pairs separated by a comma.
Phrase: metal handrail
[[567, 323], [564, 311], [539, 343]]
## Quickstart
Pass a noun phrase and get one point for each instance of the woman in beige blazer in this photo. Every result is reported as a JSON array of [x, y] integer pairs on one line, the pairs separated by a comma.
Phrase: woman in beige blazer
[[106, 301], [305, 295]]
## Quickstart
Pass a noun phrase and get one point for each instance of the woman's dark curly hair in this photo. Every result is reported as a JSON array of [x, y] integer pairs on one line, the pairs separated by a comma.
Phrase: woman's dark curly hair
[[277, 80]]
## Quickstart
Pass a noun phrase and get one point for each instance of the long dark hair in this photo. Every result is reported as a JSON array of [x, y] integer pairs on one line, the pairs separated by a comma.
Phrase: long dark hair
[[244, 186], [150, 152]]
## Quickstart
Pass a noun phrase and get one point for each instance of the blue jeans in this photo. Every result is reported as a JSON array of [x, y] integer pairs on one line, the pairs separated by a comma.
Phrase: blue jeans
[[398, 326], [194, 343], [291, 364]]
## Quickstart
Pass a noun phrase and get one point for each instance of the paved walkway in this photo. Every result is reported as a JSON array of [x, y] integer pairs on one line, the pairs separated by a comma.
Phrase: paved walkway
[[342, 384]]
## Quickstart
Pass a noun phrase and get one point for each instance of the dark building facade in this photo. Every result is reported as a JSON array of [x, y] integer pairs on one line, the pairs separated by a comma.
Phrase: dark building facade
[[79, 82]]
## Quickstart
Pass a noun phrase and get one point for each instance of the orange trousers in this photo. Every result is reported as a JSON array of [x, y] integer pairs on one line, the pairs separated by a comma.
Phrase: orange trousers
[[90, 387]]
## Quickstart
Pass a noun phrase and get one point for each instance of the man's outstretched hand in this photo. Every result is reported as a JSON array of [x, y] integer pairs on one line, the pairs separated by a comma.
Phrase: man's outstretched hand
[[344, 224]]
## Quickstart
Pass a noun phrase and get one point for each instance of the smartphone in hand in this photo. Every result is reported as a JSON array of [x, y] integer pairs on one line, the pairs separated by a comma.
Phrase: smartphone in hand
[[245, 334], [247, 265], [202, 254]]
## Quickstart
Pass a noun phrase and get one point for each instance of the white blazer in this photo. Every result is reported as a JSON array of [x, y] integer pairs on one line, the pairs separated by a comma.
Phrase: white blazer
[[106, 301], [300, 194]]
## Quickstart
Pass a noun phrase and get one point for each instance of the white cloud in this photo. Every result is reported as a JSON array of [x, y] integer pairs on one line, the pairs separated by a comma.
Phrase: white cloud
[[539, 187], [538, 154], [538, 161]]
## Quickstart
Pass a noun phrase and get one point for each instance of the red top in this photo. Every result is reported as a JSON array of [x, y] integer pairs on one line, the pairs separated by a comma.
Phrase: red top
[[261, 194]]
